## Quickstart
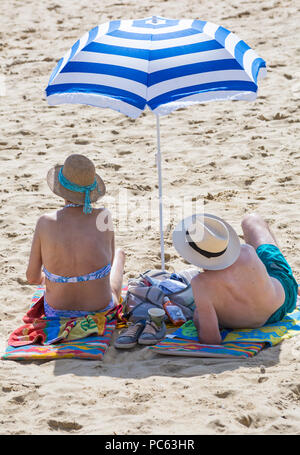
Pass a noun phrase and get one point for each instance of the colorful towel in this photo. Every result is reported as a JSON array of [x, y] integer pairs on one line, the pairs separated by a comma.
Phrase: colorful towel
[[235, 343], [40, 337]]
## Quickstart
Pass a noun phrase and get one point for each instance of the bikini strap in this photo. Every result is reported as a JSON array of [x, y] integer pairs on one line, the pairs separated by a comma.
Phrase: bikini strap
[[101, 273]]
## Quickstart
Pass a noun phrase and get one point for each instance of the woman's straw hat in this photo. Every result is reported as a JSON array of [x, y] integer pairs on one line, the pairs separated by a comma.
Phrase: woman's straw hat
[[79, 170], [206, 241]]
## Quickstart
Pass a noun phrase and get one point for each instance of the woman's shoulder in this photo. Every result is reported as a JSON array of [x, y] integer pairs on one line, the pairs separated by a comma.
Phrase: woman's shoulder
[[100, 209], [46, 219]]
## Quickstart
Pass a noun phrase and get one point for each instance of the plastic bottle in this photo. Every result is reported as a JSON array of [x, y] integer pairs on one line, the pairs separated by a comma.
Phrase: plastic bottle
[[174, 312]]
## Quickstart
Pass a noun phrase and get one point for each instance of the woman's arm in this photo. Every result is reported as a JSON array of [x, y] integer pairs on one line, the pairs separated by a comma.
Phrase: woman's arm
[[112, 248], [34, 272]]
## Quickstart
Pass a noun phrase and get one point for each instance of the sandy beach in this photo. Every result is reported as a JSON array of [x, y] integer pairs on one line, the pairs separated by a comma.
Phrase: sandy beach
[[232, 157]]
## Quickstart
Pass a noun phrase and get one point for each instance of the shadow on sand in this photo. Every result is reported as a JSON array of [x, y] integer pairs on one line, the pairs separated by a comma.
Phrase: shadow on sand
[[140, 362]]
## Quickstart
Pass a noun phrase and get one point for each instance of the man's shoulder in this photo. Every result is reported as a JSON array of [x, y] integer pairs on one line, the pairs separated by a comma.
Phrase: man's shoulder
[[201, 280], [247, 254], [247, 257]]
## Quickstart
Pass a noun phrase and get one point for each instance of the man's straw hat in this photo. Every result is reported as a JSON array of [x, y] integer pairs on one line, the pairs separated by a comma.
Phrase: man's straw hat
[[206, 241], [79, 170]]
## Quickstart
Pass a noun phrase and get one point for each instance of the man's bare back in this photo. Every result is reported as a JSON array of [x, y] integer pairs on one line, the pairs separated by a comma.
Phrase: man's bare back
[[242, 296], [251, 291]]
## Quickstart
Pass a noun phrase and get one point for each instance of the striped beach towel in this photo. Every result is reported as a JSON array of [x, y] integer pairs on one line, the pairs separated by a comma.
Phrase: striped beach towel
[[56, 338], [92, 348], [242, 343]]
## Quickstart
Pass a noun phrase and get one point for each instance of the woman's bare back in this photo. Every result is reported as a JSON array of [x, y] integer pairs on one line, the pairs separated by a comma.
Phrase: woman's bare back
[[73, 245]]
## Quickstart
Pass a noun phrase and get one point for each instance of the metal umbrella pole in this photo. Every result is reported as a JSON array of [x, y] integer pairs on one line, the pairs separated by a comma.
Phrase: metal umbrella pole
[[158, 164]]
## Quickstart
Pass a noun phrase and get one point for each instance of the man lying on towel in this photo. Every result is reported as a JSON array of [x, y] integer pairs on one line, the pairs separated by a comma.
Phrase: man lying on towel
[[242, 286], [73, 249]]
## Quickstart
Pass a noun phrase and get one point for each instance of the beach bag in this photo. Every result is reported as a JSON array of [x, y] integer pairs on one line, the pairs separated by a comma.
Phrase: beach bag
[[150, 289]]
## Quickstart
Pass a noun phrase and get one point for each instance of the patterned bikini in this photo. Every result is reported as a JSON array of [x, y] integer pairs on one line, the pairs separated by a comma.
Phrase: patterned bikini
[[98, 274]]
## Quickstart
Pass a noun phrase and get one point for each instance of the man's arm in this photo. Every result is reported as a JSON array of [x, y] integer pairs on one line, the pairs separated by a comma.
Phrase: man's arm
[[205, 316], [34, 272]]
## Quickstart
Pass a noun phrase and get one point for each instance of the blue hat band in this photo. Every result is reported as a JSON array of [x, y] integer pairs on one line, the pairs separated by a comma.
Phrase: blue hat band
[[79, 189]]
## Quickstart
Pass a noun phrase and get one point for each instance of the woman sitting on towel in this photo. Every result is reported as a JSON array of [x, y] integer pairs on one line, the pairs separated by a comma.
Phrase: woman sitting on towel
[[73, 249]]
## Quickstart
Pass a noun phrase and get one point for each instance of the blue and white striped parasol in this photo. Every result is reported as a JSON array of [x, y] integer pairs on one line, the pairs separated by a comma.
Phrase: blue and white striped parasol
[[165, 64]]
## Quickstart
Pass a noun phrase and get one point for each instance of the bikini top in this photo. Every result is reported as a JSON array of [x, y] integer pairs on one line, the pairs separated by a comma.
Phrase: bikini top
[[101, 273]]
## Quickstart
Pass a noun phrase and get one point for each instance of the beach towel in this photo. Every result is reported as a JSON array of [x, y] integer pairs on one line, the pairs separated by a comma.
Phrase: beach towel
[[242, 343], [86, 337]]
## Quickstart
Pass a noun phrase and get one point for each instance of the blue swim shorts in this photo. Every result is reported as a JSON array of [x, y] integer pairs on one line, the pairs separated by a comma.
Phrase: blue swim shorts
[[278, 268]]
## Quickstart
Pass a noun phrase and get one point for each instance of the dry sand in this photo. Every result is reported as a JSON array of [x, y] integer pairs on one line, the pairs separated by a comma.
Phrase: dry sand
[[236, 156]]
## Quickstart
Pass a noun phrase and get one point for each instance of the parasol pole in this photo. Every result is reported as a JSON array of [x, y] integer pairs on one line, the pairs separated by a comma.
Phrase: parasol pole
[[158, 164]]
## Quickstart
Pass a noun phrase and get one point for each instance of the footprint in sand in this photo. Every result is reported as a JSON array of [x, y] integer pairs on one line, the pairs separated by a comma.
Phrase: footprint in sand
[[141, 397], [25, 132], [279, 116], [284, 179], [66, 426], [20, 399], [11, 235], [262, 117], [124, 152], [114, 166], [21, 281], [247, 156], [81, 142], [217, 425], [224, 394], [294, 394], [249, 181], [34, 187], [245, 420], [262, 379]]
